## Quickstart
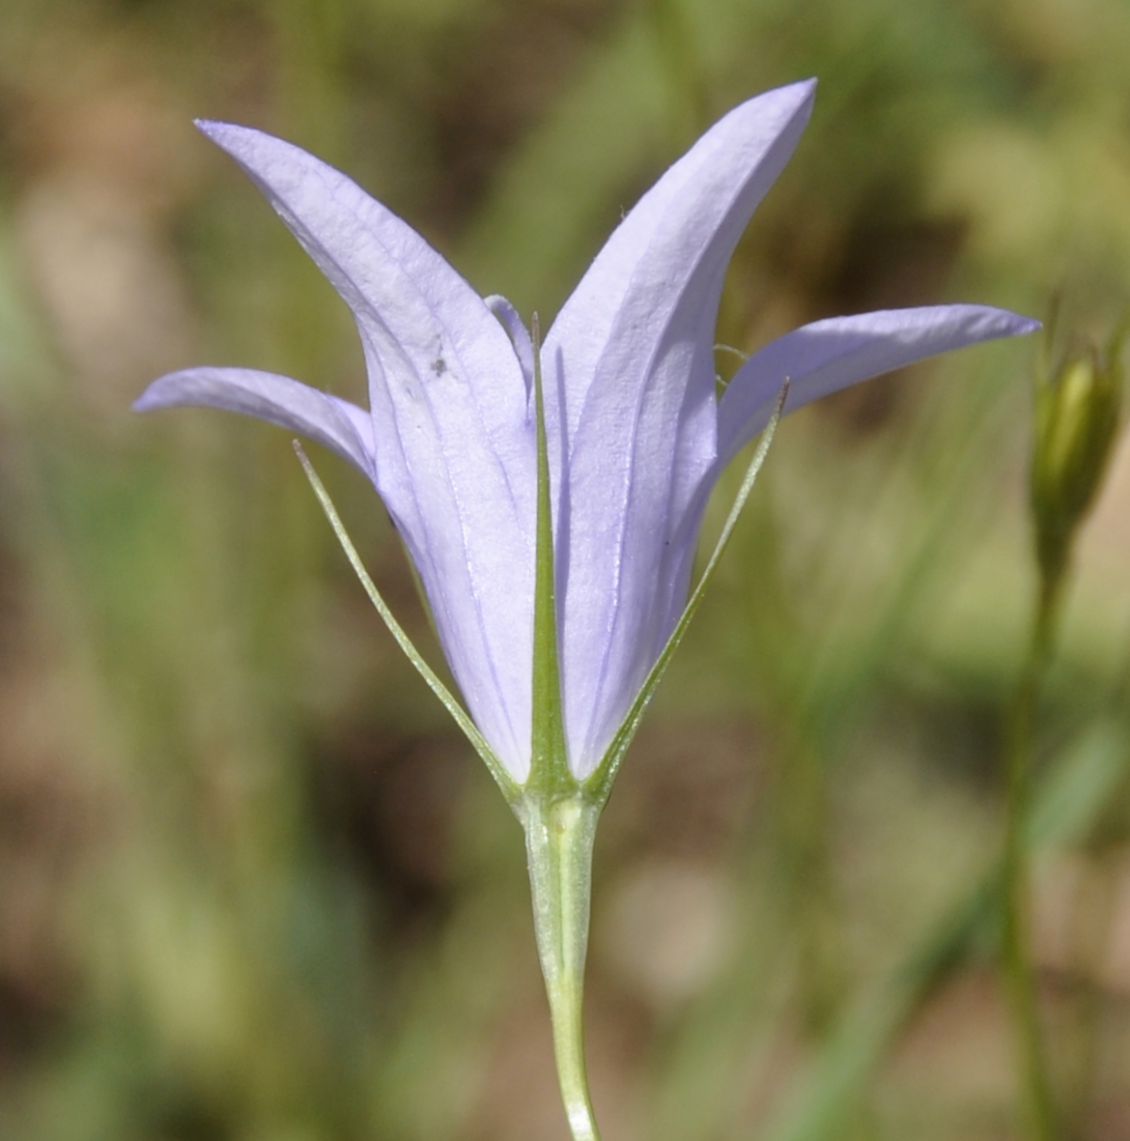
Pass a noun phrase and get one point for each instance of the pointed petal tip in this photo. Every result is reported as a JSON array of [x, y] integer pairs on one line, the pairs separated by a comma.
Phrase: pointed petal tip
[[782, 109], [1002, 322], [806, 94], [227, 135], [155, 396], [800, 95], [218, 132], [210, 127], [173, 390]]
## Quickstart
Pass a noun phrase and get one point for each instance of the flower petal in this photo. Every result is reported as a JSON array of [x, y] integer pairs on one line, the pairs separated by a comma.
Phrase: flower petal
[[339, 425], [694, 214], [630, 378], [454, 446], [826, 356], [511, 321]]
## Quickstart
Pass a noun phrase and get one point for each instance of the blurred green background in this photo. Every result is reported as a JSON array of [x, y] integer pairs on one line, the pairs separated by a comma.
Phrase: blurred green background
[[253, 886]]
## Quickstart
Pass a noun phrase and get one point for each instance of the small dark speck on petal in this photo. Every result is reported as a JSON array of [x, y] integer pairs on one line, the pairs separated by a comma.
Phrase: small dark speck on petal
[[439, 366]]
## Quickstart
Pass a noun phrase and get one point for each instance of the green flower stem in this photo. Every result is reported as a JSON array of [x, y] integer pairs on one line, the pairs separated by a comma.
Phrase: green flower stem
[[559, 845], [1016, 946]]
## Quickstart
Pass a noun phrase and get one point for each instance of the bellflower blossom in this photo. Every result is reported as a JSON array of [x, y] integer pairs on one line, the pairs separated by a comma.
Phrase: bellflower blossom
[[637, 436], [633, 437]]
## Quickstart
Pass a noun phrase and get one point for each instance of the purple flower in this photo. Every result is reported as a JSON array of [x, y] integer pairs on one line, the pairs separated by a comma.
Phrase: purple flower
[[637, 435]]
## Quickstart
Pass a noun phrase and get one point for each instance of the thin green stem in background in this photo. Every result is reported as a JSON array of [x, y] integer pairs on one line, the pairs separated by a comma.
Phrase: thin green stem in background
[[1064, 806], [1016, 943], [1077, 423]]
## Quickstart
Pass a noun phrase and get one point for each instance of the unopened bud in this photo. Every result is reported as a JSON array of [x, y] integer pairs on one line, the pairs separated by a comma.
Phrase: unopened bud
[[1077, 419]]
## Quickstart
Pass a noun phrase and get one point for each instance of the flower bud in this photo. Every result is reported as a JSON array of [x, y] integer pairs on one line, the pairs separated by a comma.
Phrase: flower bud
[[1077, 419]]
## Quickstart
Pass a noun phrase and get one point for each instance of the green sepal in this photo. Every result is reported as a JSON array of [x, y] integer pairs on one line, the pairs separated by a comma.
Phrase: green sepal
[[549, 760], [510, 788], [599, 783]]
